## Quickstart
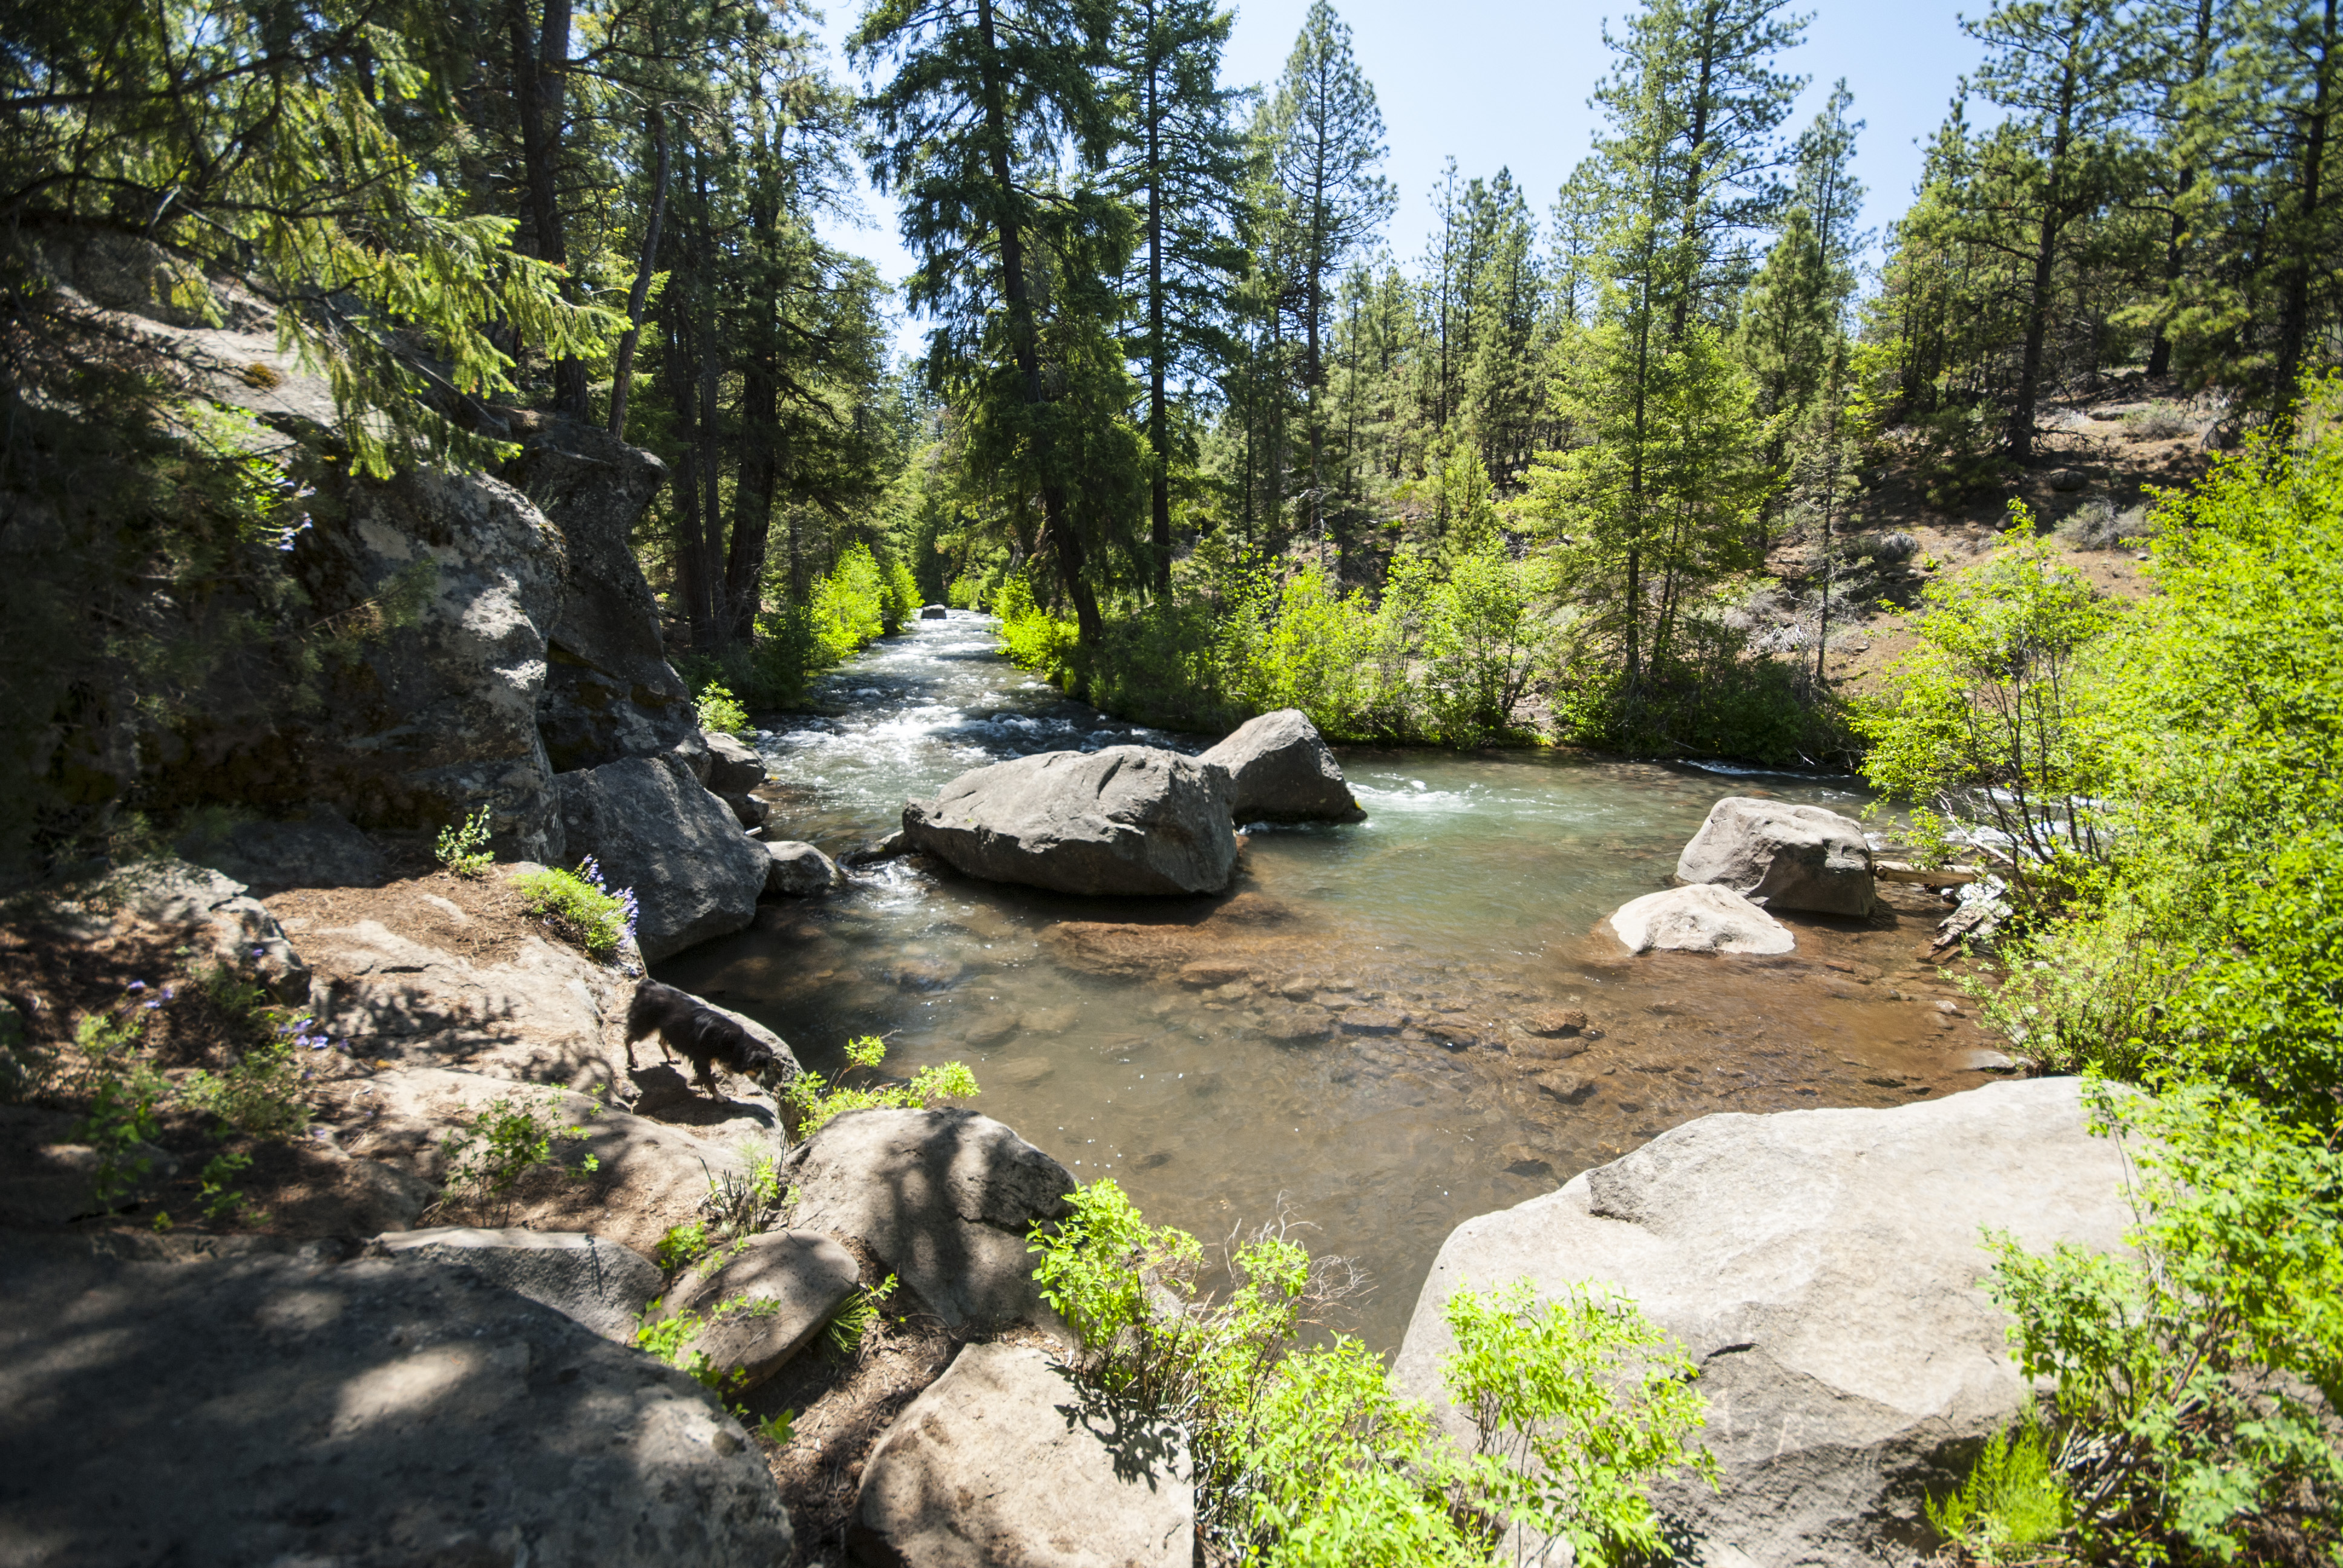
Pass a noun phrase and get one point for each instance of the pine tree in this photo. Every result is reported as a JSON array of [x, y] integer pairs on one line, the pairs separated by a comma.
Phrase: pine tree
[[1323, 137]]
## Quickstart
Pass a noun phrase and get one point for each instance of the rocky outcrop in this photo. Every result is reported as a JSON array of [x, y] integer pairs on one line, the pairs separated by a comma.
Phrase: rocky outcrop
[[765, 1303], [1698, 919], [646, 820], [1783, 856], [1822, 1268], [369, 1414], [609, 692], [589, 1280], [945, 1198], [317, 851], [48, 1175], [795, 869], [1006, 1461], [1281, 770], [1121, 821], [219, 911]]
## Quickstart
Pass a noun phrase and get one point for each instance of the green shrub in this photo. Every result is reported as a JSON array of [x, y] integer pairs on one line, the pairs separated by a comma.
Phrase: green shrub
[[259, 1095], [718, 710], [1709, 697], [810, 1101], [578, 907], [682, 1246], [860, 1314], [504, 1140], [2012, 1502], [2182, 1376], [1304, 1453], [463, 848]]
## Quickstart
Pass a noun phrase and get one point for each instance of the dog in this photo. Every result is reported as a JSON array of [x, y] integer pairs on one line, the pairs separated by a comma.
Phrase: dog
[[690, 1028]]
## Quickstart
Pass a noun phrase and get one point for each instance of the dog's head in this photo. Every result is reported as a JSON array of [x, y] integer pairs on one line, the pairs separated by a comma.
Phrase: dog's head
[[771, 1072]]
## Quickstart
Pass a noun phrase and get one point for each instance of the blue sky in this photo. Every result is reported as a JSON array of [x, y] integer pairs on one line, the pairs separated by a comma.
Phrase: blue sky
[[1506, 82]]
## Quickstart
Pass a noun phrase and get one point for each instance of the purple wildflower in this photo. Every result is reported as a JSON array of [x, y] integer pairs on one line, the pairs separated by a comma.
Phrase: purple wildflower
[[135, 985]]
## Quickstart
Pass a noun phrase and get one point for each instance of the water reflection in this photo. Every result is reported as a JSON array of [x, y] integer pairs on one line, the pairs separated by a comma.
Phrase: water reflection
[[1382, 1029]]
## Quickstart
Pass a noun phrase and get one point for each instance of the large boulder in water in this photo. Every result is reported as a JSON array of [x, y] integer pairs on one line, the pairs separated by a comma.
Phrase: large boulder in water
[[1699, 919], [1123, 819], [254, 1409], [1823, 1270], [694, 871], [1784, 856], [1281, 770]]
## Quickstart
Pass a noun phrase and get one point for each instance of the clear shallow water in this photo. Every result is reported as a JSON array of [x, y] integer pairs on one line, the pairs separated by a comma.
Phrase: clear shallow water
[[1382, 1029]]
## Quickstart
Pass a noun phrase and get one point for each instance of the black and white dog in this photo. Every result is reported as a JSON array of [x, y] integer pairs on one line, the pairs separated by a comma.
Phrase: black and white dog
[[707, 1038]]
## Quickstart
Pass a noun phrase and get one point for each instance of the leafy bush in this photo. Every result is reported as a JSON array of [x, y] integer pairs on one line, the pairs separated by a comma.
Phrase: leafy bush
[[720, 711], [1304, 1453], [259, 1095], [578, 907], [1709, 697], [860, 1314], [503, 1141], [810, 1101], [2183, 1376], [463, 848]]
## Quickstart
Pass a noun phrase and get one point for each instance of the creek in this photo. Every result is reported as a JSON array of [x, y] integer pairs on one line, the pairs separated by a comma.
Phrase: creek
[[1383, 1029]]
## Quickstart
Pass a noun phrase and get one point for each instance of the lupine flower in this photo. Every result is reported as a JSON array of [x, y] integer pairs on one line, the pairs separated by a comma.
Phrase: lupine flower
[[135, 985]]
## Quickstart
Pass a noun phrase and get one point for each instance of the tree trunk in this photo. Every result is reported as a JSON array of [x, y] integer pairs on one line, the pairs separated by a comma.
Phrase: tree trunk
[[2294, 302], [541, 81], [2045, 260], [638, 297], [690, 558], [1159, 413]]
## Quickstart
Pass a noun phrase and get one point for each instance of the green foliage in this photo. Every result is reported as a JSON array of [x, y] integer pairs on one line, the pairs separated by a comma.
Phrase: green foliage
[[667, 1337], [1709, 697], [104, 1071], [1306, 1454], [501, 1141], [259, 1095], [2182, 1374], [463, 848], [776, 1429], [720, 711], [578, 908], [217, 1198], [682, 1246], [2012, 1502], [860, 1314], [810, 1101]]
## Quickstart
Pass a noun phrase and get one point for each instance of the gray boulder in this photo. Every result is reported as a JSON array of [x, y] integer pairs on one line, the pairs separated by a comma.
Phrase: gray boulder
[[585, 1279], [224, 917], [48, 1176], [367, 1414], [747, 810], [1005, 1462], [1822, 1269], [1699, 919], [318, 851], [946, 1200], [653, 829], [934, 612], [796, 869], [609, 692], [734, 767], [786, 1285], [1783, 856], [1281, 770], [1121, 821]]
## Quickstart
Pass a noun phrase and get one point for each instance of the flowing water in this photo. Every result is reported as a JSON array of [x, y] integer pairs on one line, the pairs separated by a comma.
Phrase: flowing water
[[1383, 1029]]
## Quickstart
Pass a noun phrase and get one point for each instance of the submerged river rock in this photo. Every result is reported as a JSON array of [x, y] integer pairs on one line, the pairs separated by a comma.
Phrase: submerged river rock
[[1381, 1029]]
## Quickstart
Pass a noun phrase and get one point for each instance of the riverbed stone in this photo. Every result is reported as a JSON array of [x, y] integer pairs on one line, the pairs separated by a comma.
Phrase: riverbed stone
[[380, 1412], [1121, 821], [934, 612], [746, 809], [586, 1278], [1007, 1461], [1783, 856], [788, 1284], [734, 767], [945, 1198], [1699, 919], [794, 869], [1281, 770], [694, 873], [1823, 1270]]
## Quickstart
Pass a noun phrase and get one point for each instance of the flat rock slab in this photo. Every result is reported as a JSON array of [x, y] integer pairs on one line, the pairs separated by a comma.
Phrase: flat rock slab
[[1121, 821], [1824, 1270], [786, 1283], [945, 1198], [372, 1414], [1281, 770], [1785, 856], [1004, 1461], [1699, 919], [590, 1281]]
